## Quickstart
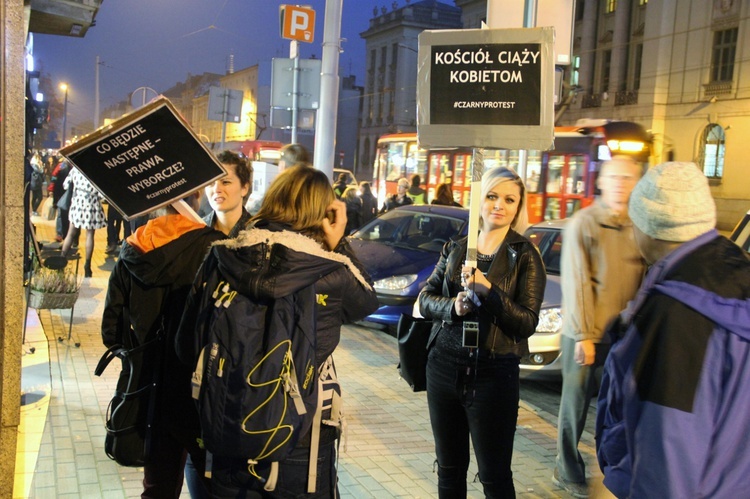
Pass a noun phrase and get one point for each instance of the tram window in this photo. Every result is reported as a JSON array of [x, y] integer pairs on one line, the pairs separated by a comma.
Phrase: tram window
[[555, 174], [576, 173], [572, 206], [395, 161]]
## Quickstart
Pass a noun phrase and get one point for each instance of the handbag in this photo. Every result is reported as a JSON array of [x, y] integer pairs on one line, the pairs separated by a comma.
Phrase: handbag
[[64, 202], [130, 414], [412, 335]]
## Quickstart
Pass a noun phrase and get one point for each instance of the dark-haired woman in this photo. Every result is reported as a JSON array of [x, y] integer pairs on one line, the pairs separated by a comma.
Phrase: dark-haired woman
[[227, 196]]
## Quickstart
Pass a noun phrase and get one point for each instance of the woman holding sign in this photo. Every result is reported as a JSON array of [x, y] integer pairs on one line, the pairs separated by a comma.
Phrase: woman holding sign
[[482, 317], [86, 212], [227, 195]]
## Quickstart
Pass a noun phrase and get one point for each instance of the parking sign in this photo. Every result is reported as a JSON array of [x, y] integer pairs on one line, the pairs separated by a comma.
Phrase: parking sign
[[297, 23]]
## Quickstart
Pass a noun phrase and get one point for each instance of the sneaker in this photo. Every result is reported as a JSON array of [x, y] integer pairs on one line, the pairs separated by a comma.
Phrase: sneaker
[[576, 489]]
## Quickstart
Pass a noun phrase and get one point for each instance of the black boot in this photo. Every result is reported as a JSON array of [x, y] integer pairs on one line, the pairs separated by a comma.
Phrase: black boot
[[87, 269]]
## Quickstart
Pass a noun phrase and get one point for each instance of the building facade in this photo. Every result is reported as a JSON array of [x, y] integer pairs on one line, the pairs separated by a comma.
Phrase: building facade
[[390, 98]]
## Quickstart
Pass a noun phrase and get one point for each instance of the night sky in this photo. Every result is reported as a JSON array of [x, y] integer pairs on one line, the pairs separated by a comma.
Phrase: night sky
[[157, 43]]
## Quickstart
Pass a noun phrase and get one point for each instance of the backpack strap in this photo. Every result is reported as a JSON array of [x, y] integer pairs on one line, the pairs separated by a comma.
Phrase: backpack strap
[[328, 398]]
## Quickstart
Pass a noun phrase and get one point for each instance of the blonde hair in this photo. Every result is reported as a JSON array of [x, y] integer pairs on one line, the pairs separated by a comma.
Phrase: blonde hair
[[349, 193], [402, 182], [298, 197], [499, 175]]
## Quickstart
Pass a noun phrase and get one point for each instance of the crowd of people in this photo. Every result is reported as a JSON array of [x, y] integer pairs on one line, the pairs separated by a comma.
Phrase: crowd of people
[[656, 320]]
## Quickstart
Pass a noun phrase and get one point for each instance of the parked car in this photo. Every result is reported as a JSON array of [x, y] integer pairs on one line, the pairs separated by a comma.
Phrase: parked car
[[741, 233], [544, 344], [400, 249]]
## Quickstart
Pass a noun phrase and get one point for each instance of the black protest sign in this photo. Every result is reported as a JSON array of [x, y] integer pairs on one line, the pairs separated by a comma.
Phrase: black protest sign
[[145, 160], [486, 88], [496, 84]]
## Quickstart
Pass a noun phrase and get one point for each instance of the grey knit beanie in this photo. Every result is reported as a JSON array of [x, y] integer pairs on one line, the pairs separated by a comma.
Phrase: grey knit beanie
[[673, 202]]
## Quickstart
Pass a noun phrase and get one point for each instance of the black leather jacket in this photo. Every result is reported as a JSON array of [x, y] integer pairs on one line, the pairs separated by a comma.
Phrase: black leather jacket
[[510, 312]]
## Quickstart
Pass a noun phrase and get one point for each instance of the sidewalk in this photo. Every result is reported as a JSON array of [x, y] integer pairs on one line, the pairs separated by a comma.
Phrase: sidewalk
[[390, 448]]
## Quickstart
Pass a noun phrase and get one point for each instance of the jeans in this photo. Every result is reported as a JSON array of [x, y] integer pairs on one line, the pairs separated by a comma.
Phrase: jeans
[[483, 407], [231, 480], [114, 222], [580, 384], [163, 475]]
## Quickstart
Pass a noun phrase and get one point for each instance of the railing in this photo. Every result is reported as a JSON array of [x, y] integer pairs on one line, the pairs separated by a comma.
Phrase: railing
[[626, 97], [591, 100], [717, 88]]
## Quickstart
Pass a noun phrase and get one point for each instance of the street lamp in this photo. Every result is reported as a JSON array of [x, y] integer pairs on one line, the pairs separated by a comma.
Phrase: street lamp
[[64, 88]]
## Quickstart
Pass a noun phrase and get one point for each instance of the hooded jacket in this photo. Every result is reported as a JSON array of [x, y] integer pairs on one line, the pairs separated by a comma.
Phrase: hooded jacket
[[151, 280], [510, 312], [673, 416], [268, 261]]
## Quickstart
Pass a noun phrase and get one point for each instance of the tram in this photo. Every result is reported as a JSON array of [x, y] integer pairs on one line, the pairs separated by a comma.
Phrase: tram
[[559, 181]]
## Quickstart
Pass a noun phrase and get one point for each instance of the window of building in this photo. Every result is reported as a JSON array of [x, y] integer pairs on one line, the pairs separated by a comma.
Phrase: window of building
[[637, 68], [712, 151], [576, 70], [722, 61], [606, 65], [610, 6], [579, 10]]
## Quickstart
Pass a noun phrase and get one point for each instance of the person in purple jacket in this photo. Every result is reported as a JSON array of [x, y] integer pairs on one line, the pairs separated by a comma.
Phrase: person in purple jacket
[[673, 416]]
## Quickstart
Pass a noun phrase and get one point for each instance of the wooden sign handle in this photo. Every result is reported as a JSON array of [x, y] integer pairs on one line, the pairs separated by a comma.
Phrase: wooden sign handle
[[186, 210]]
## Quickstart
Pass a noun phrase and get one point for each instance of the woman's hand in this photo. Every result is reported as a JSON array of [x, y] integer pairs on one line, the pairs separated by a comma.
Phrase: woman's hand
[[462, 304], [472, 279], [334, 224]]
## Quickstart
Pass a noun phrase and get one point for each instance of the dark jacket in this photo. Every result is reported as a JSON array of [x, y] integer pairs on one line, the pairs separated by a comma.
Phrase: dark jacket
[[353, 214], [369, 207], [510, 312], [673, 405], [153, 284], [267, 261], [392, 202], [210, 220]]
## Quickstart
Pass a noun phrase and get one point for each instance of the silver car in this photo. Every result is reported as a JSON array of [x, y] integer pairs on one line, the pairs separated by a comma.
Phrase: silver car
[[544, 344]]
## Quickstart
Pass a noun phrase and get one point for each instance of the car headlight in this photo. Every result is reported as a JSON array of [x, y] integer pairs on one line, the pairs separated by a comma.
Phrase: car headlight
[[550, 320], [396, 284]]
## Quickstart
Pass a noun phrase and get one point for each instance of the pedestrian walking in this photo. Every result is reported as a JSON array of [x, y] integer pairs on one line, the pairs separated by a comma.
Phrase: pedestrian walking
[[601, 269], [85, 213]]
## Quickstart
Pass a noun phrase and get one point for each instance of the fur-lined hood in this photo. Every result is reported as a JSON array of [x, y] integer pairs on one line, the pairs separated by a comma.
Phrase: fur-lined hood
[[264, 263]]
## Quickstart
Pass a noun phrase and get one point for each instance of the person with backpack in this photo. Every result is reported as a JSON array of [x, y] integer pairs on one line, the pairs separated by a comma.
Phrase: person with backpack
[[147, 291], [291, 272]]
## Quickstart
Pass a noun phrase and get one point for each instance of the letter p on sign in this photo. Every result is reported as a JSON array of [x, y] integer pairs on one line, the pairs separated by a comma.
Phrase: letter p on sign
[[297, 23]]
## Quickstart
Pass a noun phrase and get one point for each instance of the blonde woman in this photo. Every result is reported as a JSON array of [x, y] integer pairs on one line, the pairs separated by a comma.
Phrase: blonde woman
[[473, 380]]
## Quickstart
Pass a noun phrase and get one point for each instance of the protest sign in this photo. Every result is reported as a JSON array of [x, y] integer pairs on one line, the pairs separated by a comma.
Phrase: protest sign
[[145, 160], [486, 88]]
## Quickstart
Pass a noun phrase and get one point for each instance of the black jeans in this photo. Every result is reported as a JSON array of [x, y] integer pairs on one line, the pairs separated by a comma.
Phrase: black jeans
[[484, 407], [231, 480]]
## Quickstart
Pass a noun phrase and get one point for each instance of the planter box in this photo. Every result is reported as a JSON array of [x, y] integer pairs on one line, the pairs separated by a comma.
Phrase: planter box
[[44, 300]]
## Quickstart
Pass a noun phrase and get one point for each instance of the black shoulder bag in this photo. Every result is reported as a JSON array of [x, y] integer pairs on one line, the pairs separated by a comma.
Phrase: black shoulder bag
[[412, 334], [130, 415]]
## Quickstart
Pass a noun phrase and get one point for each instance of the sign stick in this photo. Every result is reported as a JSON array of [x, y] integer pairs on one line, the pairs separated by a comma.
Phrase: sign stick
[[186, 210], [475, 203]]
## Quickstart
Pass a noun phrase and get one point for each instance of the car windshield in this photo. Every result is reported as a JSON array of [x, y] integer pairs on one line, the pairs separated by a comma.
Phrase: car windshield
[[411, 230], [549, 242]]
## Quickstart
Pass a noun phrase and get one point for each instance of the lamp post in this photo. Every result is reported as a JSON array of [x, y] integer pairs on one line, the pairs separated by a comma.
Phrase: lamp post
[[64, 88]]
